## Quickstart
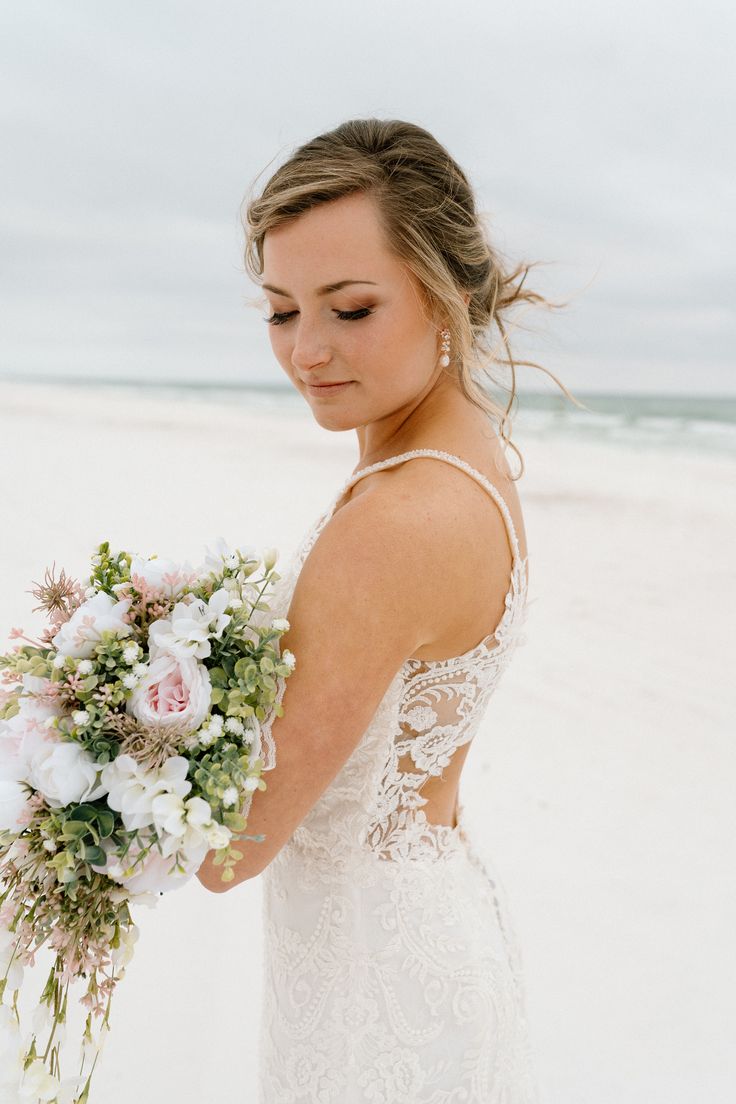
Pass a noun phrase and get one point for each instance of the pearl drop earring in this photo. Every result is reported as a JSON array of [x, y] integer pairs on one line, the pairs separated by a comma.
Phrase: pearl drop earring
[[445, 358]]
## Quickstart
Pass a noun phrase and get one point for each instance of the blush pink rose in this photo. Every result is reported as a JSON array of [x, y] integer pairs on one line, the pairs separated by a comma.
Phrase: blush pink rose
[[175, 690]]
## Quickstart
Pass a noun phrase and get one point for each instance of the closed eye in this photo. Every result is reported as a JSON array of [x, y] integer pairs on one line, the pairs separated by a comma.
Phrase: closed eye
[[278, 319]]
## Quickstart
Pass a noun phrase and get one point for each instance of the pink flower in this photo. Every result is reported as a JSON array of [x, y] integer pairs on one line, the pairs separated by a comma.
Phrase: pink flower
[[175, 691]]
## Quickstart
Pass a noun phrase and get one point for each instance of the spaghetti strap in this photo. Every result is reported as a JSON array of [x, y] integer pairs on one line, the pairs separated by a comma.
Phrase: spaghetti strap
[[449, 458]]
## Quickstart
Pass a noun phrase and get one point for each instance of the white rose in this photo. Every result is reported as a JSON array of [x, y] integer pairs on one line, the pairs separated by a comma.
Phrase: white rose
[[62, 770], [78, 636], [186, 632], [160, 574], [173, 691], [19, 736]]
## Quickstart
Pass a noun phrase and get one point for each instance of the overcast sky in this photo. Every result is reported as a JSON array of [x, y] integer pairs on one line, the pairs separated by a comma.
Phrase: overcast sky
[[599, 137]]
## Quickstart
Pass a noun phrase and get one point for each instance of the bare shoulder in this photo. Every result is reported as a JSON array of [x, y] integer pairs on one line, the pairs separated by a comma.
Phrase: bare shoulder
[[429, 538], [456, 541], [379, 559]]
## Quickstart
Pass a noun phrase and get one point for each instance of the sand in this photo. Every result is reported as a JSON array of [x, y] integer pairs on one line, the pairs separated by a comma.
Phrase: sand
[[602, 779]]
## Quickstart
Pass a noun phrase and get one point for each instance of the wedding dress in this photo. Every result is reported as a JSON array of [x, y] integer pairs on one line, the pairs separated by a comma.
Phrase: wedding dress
[[392, 974]]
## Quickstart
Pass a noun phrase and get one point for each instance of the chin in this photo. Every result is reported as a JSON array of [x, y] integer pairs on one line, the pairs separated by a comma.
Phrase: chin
[[336, 420]]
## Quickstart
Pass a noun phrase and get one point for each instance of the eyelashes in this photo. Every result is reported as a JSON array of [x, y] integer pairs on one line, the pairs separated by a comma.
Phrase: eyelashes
[[278, 319]]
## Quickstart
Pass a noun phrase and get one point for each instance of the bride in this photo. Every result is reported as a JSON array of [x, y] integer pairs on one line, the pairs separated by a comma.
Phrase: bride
[[392, 973]]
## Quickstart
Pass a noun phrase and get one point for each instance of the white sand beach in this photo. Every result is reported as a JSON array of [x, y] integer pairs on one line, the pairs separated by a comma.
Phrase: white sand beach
[[602, 779]]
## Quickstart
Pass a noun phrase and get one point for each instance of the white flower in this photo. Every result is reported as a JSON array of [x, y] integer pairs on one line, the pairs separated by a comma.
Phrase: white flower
[[85, 666], [12, 971], [59, 660], [269, 557], [235, 603], [38, 1084], [218, 836], [250, 784], [42, 1019], [62, 770], [130, 681], [198, 812], [198, 828], [221, 555], [17, 736], [280, 623], [207, 736], [192, 622], [121, 956], [78, 636], [131, 653], [230, 796], [132, 789], [13, 803], [80, 717], [174, 691], [168, 814], [140, 669], [30, 752], [160, 574], [289, 659], [156, 871], [234, 725]]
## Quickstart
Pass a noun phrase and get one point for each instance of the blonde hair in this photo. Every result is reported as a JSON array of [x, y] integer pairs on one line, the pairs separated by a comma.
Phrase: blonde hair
[[427, 211]]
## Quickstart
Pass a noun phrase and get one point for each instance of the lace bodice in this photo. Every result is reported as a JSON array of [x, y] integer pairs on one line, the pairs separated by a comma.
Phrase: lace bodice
[[431, 708]]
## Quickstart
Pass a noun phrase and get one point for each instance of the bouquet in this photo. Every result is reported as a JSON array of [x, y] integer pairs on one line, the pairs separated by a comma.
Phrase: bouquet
[[129, 748]]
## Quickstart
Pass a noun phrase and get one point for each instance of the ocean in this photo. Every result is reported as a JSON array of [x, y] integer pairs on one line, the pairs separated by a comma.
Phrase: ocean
[[647, 420]]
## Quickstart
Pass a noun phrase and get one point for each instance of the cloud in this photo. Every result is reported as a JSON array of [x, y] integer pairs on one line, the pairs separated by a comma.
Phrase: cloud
[[594, 134]]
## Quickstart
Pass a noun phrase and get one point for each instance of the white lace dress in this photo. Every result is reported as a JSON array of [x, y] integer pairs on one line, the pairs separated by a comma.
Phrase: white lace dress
[[392, 974]]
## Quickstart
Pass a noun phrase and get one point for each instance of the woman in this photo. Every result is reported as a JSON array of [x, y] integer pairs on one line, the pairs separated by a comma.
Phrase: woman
[[391, 970]]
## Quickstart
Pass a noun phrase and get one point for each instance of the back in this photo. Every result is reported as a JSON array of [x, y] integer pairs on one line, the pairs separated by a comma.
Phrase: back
[[441, 705]]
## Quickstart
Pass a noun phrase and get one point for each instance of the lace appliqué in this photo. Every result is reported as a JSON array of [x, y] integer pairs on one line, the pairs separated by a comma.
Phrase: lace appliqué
[[441, 707]]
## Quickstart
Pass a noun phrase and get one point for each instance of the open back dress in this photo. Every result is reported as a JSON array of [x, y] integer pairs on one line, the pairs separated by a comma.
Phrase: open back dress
[[392, 973]]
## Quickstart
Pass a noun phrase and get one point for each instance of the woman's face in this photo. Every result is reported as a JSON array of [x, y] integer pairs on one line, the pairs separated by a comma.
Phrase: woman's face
[[371, 335]]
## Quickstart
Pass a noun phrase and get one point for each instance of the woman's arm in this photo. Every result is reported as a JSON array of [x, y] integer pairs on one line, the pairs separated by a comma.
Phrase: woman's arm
[[361, 606]]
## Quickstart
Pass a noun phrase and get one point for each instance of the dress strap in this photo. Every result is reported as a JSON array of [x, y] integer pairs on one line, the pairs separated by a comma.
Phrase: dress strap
[[449, 458]]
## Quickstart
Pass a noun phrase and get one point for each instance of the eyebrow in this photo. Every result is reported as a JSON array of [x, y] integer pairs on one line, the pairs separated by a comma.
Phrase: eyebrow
[[320, 291]]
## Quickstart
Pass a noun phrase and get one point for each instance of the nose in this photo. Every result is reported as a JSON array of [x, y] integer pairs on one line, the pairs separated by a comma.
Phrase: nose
[[309, 349]]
